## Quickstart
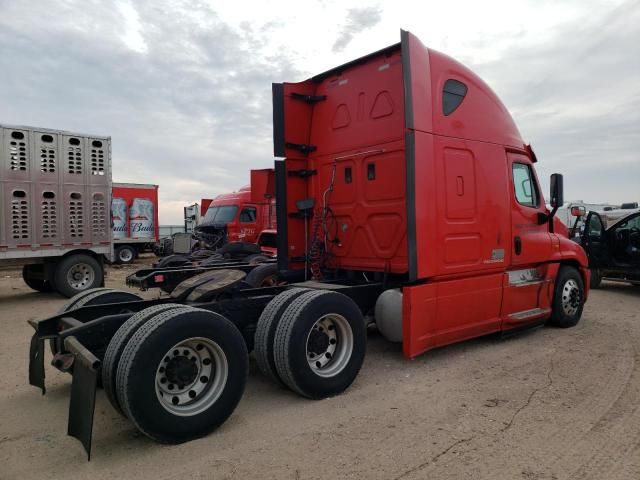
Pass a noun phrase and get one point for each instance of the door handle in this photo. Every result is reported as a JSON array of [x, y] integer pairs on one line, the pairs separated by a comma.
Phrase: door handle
[[517, 243]]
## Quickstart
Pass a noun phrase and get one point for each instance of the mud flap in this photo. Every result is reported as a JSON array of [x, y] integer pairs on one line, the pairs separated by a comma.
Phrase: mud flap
[[36, 362], [83, 393]]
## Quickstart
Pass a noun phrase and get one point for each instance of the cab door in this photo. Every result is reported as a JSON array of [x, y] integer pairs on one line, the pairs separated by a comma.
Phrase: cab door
[[526, 282], [531, 241], [594, 242]]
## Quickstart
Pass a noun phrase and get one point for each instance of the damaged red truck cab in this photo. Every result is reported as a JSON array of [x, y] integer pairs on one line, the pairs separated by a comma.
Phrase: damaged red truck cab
[[246, 214], [420, 174]]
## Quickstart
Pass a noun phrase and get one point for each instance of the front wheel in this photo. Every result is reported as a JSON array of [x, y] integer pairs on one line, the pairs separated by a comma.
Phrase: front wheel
[[596, 278], [182, 374], [568, 298]]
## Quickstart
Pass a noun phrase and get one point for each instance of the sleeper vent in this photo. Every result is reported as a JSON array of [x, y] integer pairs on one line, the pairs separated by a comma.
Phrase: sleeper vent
[[76, 215], [19, 215], [98, 215], [49, 213], [18, 152]]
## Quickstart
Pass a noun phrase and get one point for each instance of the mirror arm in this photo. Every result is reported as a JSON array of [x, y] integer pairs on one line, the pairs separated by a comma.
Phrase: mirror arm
[[550, 218]]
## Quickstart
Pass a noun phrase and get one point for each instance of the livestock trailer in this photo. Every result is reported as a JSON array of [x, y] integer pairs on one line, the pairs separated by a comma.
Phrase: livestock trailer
[[55, 192]]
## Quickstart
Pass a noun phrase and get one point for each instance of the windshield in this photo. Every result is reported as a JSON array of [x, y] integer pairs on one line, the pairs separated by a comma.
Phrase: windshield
[[220, 214]]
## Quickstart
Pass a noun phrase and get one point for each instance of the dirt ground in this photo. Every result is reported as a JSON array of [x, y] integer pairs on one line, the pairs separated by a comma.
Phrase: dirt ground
[[545, 404]]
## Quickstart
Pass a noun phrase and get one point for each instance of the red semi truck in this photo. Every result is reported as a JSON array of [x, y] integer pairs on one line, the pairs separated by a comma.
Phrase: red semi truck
[[134, 219], [405, 196], [241, 216]]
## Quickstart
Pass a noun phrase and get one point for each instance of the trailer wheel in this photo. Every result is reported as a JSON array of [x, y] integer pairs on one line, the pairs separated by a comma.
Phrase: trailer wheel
[[568, 298], [77, 273], [264, 275], [320, 344], [266, 331], [172, 261], [125, 254], [119, 341], [182, 374], [36, 284]]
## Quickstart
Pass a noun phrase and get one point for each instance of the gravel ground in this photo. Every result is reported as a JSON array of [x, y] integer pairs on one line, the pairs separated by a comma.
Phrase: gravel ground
[[545, 404]]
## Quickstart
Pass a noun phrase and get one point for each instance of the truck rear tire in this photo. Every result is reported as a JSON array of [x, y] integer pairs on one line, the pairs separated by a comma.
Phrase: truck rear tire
[[94, 296], [77, 273], [125, 254], [37, 284], [182, 374], [266, 331], [69, 304], [320, 344], [119, 341], [102, 296], [568, 298], [264, 275]]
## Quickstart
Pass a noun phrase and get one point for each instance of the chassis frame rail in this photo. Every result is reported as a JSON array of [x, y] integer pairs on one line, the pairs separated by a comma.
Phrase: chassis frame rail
[[171, 276]]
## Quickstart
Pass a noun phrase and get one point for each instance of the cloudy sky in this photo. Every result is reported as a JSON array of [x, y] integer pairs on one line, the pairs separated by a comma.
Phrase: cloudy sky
[[184, 87]]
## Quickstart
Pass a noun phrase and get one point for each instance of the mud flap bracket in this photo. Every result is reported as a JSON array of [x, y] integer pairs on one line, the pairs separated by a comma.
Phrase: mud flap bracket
[[83, 392]]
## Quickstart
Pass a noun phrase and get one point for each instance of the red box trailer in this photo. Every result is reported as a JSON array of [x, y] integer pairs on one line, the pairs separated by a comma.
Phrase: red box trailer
[[134, 219]]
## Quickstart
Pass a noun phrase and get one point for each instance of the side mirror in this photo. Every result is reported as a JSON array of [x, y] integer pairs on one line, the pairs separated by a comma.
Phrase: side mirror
[[557, 191], [578, 211]]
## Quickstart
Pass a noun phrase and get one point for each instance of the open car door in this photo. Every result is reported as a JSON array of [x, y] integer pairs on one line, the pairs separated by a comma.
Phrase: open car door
[[593, 241]]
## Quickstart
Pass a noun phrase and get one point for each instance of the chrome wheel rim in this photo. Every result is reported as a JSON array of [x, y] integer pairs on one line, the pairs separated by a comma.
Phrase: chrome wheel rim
[[571, 297], [125, 255], [80, 276], [329, 345], [191, 376]]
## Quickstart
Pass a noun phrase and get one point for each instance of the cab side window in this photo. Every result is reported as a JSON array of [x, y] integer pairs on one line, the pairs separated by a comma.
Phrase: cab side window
[[248, 215], [632, 224], [524, 185]]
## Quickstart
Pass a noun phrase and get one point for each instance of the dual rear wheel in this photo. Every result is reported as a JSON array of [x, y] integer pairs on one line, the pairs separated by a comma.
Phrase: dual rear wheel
[[311, 341], [175, 371]]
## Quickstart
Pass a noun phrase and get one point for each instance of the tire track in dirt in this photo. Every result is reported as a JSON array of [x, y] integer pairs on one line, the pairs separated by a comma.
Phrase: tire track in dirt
[[549, 438]]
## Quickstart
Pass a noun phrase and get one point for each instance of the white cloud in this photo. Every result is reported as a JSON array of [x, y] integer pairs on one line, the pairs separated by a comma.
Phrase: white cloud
[[183, 87]]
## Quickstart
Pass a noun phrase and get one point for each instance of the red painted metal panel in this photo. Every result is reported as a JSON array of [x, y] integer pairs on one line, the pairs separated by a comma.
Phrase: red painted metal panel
[[440, 313], [481, 115]]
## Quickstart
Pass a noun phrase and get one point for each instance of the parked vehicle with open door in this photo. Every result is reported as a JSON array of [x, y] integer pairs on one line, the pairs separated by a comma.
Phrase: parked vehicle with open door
[[614, 250]]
